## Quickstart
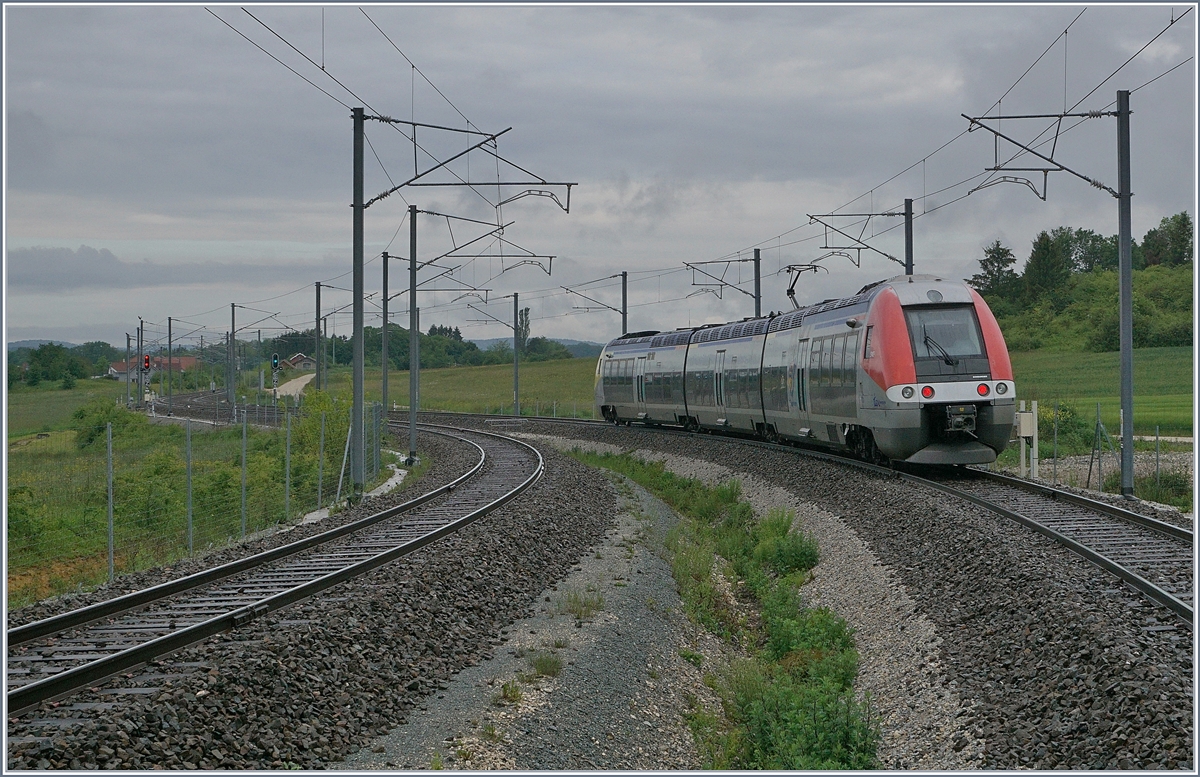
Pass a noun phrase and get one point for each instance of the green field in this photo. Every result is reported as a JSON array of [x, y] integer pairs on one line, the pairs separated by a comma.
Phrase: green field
[[569, 382], [1162, 385], [47, 408]]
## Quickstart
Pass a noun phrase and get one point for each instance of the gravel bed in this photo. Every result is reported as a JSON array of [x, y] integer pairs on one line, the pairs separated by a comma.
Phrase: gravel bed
[[1055, 663], [450, 459], [311, 684], [1072, 474], [616, 703]]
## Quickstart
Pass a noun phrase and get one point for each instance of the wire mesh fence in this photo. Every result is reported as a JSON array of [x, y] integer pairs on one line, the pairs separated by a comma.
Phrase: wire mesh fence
[[176, 489]]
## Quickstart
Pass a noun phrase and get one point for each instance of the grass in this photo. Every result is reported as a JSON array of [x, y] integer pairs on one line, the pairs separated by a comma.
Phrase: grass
[[1170, 488], [47, 408], [490, 733], [582, 604], [56, 537], [510, 693], [488, 388], [1162, 383], [790, 704], [546, 664]]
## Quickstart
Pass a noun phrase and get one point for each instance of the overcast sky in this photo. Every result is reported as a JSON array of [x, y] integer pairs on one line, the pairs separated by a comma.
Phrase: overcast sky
[[158, 164]]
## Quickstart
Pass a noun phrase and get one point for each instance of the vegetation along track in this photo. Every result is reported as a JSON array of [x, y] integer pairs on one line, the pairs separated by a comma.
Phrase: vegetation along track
[[54, 657], [1153, 557]]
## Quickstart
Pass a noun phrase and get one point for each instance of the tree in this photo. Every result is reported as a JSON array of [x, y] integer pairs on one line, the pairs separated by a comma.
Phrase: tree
[[1169, 243], [997, 278], [1047, 270], [450, 333]]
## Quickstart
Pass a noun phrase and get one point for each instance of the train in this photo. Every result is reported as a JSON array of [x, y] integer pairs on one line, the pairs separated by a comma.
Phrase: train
[[910, 369]]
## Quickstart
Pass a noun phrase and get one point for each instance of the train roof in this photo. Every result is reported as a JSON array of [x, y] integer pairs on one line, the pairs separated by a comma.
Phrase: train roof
[[773, 322]]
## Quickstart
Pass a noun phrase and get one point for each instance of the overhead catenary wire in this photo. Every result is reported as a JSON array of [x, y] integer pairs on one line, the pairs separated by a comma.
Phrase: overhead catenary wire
[[277, 59]]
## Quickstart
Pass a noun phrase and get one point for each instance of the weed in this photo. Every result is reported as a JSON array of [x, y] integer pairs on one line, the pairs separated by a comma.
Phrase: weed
[[1171, 488], [692, 657], [510, 693], [598, 555], [581, 604], [527, 677], [561, 643], [490, 732], [652, 674], [546, 664], [463, 754], [436, 762]]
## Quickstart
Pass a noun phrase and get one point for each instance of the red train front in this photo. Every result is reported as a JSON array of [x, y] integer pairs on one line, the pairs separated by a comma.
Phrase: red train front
[[939, 385]]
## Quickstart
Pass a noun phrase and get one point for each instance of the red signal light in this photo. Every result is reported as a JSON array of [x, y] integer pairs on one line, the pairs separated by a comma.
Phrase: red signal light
[[146, 362], [983, 390], [927, 392]]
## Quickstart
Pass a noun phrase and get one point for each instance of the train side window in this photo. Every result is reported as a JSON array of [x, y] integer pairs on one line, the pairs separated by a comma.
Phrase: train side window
[[868, 352], [814, 364], [826, 361], [835, 361]]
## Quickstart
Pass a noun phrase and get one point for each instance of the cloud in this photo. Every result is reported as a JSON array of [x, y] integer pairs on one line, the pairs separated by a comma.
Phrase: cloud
[[64, 270]]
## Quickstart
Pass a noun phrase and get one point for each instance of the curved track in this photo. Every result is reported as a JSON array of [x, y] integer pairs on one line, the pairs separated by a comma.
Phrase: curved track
[[52, 658], [1153, 557]]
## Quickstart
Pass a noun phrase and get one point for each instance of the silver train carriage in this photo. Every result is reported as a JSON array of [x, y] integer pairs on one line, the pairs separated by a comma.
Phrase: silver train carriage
[[913, 368]]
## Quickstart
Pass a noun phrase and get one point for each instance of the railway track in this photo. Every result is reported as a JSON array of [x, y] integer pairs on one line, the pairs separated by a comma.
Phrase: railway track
[[1153, 557], [55, 657]]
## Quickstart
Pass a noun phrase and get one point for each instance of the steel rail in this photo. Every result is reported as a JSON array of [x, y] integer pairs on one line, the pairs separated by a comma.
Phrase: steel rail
[[70, 680], [1141, 584], [1145, 521], [1149, 589], [30, 631]]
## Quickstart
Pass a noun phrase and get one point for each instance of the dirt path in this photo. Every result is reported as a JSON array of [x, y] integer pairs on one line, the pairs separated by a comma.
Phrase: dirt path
[[295, 386]]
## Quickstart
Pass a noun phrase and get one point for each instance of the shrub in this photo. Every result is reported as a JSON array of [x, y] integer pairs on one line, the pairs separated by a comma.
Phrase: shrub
[[90, 420]]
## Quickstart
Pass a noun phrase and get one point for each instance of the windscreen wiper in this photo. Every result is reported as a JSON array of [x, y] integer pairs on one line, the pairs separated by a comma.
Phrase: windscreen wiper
[[946, 357]]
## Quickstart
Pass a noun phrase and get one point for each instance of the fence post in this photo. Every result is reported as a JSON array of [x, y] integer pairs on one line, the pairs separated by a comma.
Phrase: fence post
[[111, 572], [244, 425], [189, 486], [1157, 481], [1056, 443], [287, 469], [321, 460], [342, 471]]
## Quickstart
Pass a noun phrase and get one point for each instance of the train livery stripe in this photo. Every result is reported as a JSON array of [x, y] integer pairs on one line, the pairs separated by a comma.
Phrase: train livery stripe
[[891, 362], [993, 340]]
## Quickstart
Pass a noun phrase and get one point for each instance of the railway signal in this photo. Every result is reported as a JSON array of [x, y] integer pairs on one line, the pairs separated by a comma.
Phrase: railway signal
[[146, 362], [274, 362]]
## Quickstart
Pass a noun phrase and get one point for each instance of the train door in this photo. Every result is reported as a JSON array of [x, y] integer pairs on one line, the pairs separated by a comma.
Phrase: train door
[[719, 385], [639, 385], [799, 400]]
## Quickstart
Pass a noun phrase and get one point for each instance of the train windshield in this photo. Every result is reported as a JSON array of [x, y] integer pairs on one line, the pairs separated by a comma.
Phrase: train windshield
[[946, 333]]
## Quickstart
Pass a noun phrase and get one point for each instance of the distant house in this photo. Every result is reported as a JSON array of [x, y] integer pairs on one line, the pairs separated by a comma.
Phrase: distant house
[[180, 364], [299, 362]]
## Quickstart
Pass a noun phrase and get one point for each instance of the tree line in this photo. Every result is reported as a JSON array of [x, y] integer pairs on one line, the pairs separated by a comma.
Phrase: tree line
[[1067, 292], [443, 346]]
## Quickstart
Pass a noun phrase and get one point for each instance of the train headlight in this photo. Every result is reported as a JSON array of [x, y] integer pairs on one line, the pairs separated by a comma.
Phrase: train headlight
[[1001, 388], [907, 392], [927, 392], [983, 390]]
